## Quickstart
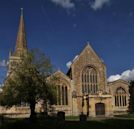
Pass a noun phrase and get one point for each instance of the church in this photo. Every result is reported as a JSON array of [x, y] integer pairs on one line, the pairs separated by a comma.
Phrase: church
[[84, 89]]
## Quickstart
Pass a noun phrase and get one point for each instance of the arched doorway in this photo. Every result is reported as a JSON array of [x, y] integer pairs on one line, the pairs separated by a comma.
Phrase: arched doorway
[[100, 109]]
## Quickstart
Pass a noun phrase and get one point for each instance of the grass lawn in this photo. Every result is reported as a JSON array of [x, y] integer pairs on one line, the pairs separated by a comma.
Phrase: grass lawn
[[126, 116], [42, 123]]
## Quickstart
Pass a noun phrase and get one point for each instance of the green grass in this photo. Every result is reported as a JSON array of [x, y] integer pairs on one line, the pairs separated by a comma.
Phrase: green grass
[[126, 116], [72, 118], [52, 123]]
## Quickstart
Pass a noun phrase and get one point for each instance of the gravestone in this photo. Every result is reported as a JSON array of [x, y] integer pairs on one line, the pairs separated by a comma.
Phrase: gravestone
[[61, 116], [1, 120], [83, 117]]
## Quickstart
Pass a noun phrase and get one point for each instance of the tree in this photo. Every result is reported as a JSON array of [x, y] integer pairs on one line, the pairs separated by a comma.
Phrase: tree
[[131, 100], [29, 82]]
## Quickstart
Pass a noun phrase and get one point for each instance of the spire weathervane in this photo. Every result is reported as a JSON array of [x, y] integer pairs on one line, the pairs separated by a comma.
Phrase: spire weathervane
[[21, 11], [21, 43]]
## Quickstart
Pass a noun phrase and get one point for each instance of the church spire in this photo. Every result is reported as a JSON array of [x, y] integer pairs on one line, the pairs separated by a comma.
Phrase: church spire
[[21, 43]]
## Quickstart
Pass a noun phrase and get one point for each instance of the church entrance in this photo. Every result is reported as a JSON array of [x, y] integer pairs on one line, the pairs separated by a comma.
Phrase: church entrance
[[100, 109]]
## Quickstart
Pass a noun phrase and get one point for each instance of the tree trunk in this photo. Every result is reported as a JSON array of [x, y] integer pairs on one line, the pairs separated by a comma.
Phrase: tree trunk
[[45, 108], [32, 109]]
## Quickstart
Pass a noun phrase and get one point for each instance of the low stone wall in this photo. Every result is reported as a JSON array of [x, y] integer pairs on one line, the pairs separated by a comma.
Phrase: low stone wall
[[14, 110]]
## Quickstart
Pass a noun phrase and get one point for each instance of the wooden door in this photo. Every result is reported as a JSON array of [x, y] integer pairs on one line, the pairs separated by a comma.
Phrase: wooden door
[[100, 109]]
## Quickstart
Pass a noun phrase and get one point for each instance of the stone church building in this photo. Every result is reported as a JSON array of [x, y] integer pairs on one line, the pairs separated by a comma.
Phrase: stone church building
[[84, 89]]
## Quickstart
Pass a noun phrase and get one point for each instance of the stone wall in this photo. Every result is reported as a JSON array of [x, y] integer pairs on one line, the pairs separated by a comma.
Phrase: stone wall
[[87, 58]]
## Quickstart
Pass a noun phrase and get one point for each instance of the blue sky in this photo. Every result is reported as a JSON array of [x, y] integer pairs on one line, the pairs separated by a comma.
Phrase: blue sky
[[61, 28]]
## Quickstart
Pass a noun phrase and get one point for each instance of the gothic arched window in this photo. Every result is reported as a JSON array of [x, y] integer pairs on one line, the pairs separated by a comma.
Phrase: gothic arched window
[[120, 97], [62, 95], [89, 80]]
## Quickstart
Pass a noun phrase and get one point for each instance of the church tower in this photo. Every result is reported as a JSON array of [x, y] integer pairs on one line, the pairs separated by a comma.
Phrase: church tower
[[20, 48]]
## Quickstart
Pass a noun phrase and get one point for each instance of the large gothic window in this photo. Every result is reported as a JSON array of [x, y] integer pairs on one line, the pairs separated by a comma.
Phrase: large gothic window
[[62, 95], [89, 80], [120, 97]]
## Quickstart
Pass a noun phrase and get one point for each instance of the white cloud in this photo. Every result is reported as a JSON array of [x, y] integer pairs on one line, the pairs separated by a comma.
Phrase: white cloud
[[75, 58], [98, 4], [131, 14], [114, 78], [68, 4], [74, 25], [68, 64], [64, 3], [3, 63], [127, 75]]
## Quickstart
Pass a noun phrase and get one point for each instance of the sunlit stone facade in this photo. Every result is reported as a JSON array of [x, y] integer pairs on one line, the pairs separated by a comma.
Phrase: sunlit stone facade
[[88, 90], [84, 89]]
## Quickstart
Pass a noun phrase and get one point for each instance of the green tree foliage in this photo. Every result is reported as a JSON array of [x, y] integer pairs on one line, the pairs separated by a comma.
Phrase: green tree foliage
[[131, 100], [29, 82]]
